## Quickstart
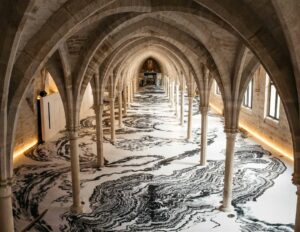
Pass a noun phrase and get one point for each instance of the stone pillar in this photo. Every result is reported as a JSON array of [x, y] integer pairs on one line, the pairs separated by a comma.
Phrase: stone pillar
[[227, 195], [99, 135], [75, 170], [182, 108], [120, 110], [172, 94], [134, 86], [132, 92], [176, 99], [6, 211], [112, 120], [204, 111], [297, 223], [168, 88], [190, 118], [125, 102], [128, 95]]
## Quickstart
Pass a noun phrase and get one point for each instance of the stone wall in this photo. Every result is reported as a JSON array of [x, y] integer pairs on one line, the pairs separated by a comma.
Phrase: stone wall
[[255, 119], [26, 128]]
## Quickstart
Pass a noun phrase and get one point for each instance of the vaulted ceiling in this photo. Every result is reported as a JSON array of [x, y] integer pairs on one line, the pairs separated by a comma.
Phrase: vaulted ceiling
[[75, 39]]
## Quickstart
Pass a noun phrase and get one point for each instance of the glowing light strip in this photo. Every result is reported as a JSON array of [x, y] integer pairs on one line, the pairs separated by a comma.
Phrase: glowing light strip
[[25, 148], [267, 142], [259, 137]]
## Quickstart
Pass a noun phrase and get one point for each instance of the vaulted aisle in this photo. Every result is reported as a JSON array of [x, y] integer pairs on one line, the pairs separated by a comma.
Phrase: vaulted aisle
[[152, 179]]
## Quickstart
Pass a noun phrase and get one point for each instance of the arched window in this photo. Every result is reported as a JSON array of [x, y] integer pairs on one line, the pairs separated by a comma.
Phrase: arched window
[[273, 101], [247, 101]]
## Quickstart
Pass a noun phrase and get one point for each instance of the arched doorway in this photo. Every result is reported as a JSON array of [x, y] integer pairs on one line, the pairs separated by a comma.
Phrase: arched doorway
[[151, 73]]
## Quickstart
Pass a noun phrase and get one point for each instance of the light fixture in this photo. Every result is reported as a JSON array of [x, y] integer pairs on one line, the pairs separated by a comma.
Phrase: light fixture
[[18, 153]]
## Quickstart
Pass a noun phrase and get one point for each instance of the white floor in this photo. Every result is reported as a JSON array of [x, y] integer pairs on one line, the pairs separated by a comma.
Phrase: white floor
[[153, 180]]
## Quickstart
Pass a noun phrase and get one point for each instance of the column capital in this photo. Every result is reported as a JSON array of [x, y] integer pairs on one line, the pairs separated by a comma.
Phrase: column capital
[[5, 188], [72, 128], [73, 132], [232, 131], [95, 106], [203, 109], [6, 182]]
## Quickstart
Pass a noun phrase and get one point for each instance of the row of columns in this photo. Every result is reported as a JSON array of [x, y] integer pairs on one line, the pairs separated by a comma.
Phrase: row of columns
[[230, 138], [173, 91], [127, 95], [6, 219]]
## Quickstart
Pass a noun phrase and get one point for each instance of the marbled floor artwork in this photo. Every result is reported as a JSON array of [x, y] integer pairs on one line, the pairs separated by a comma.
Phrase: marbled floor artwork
[[152, 180]]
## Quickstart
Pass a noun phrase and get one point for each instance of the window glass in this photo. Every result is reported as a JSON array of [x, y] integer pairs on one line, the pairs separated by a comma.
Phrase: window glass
[[274, 101], [247, 101]]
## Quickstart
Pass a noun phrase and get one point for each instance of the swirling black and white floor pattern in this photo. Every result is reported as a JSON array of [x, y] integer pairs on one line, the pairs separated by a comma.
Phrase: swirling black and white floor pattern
[[152, 180]]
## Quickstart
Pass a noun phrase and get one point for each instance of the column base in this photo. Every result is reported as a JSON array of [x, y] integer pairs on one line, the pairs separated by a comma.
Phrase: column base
[[203, 163], [189, 140], [76, 209], [227, 209], [121, 126], [97, 165]]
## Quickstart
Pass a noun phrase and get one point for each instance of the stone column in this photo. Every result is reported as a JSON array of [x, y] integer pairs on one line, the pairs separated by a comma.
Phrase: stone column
[[229, 157], [99, 135], [134, 86], [125, 102], [75, 170], [6, 211], [128, 95], [120, 110], [190, 119], [167, 88], [132, 92], [182, 108], [112, 120], [176, 99], [204, 111], [173, 94], [297, 223]]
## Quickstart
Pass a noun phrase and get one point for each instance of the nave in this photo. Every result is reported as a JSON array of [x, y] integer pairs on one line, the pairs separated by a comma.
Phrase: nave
[[152, 180]]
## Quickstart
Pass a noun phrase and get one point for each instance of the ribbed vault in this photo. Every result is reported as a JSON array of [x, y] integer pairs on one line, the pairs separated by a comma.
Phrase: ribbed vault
[[105, 42]]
